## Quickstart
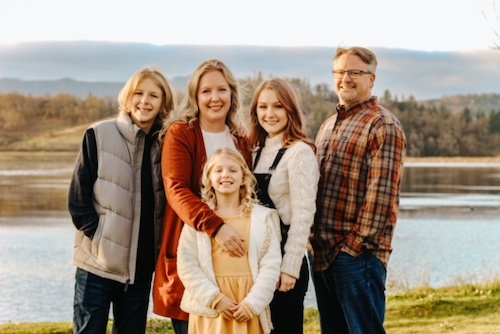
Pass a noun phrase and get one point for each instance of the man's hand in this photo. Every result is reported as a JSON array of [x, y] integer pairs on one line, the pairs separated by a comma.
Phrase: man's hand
[[230, 241]]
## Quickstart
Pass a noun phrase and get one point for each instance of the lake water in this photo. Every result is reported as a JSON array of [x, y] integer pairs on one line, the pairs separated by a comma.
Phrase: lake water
[[447, 233]]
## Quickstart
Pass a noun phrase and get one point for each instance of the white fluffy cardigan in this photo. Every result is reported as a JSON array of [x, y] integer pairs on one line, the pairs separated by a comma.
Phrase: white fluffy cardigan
[[195, 269], [293, 188]]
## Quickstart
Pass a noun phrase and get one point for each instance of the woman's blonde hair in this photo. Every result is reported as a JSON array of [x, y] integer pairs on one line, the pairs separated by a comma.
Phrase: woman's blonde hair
[[188, 112], [148, 72], [248, 196]]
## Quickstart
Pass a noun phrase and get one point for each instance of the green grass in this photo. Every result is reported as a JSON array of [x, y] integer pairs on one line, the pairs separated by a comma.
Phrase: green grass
[[154, 326], [462, 309]]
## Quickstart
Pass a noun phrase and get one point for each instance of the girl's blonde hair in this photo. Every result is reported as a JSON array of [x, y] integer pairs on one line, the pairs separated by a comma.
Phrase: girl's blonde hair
[[189, 111], [248, 196], [148, 72]]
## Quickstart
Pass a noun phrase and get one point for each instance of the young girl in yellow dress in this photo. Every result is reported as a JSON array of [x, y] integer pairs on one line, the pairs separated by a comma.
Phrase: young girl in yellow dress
[[224, 293]]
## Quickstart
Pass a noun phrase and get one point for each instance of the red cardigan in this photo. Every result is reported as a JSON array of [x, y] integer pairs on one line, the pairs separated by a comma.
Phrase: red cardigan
[[183, 158]]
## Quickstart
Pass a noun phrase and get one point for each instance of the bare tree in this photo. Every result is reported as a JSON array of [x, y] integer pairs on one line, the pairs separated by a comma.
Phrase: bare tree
[[494, 22]]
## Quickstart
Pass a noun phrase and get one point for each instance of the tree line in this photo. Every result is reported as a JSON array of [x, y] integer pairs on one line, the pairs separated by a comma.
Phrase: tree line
[[432, 129]]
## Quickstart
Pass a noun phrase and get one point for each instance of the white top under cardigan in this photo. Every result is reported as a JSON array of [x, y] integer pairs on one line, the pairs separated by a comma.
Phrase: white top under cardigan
[[217, 140], [292, 189]]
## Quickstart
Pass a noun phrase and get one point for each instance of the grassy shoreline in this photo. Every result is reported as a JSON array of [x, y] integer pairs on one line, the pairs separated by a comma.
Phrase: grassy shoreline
[[465, 308]]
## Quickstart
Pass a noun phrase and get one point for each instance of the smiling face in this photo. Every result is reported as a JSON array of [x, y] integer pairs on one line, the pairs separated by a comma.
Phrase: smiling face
[[271, 113], [353, 91], [145, 104], [214, 101], [225, 176]]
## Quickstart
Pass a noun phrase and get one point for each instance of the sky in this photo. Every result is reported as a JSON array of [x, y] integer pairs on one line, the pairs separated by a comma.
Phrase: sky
[[426, 25]]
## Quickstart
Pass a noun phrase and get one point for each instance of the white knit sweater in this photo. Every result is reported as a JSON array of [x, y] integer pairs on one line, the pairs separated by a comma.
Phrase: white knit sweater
[[292, 189]]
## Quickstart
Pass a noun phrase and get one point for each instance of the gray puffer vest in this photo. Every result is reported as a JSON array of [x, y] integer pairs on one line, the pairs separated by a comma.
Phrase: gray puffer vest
[[111, 253]]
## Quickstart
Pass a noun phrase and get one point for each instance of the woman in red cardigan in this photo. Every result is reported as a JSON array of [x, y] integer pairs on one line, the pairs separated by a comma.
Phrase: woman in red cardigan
[[208, 119]]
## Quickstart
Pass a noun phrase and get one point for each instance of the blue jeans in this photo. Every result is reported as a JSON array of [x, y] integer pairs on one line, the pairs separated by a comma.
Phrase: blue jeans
[[351, 295], [92, 300]]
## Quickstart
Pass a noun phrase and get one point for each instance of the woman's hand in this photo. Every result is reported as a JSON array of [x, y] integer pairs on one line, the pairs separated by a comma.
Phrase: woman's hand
[[286, 282], [230, 241]]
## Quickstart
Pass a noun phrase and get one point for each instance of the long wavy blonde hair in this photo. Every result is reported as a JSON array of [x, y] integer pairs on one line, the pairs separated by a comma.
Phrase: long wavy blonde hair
[[248, 196]]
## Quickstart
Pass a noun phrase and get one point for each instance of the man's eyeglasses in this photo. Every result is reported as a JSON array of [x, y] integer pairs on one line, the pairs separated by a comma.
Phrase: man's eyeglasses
[[353, 74]]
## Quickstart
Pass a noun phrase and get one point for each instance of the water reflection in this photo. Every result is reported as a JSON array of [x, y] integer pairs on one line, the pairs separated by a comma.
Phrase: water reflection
[[34, 184], [469, 186], [38, 183], [451, 178]]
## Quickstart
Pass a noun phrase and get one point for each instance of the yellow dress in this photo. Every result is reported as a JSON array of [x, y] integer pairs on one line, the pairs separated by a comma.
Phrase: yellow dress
[[234, 278]]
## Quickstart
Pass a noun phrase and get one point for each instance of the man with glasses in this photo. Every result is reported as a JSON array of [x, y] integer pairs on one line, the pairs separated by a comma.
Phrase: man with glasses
[[360, 150]]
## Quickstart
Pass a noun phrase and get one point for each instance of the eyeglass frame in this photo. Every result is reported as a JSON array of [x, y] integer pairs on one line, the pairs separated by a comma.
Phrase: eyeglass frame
[[336, 73]]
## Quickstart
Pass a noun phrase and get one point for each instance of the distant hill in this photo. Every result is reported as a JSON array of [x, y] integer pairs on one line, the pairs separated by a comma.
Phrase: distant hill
[[457, 103], [103, 67], [55, 87], [81, 89], [483, 103]]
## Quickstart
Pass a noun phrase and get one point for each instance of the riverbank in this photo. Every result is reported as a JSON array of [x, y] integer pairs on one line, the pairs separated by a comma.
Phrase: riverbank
[[460, 309], [453, 159], [41, 153]]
